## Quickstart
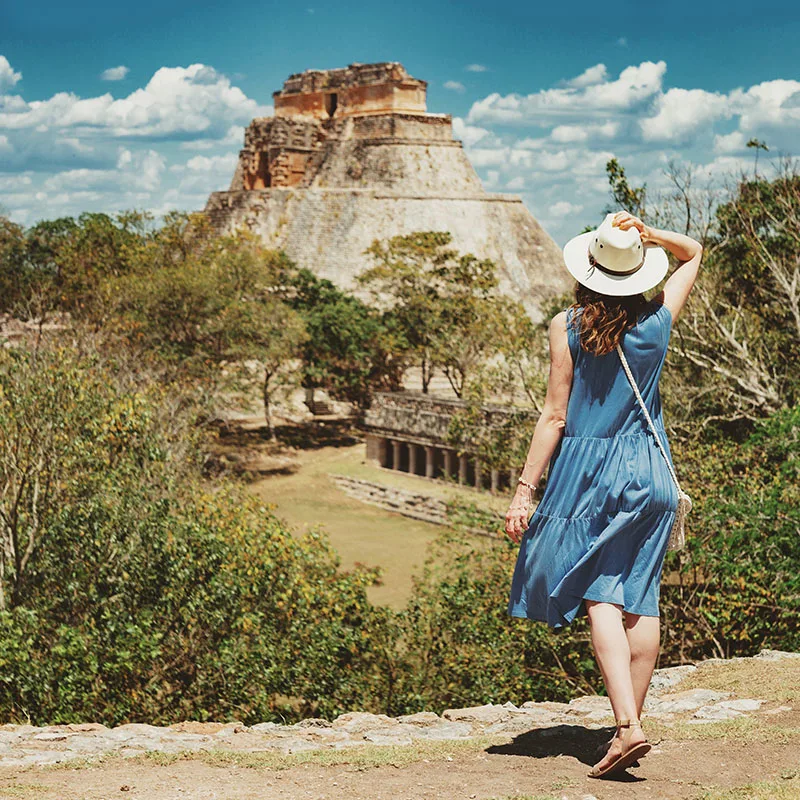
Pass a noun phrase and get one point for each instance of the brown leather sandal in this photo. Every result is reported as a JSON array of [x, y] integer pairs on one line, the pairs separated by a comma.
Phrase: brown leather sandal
[[630, 753]]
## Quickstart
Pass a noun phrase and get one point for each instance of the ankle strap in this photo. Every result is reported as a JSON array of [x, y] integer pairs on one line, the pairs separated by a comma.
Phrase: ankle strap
[[627, 723]]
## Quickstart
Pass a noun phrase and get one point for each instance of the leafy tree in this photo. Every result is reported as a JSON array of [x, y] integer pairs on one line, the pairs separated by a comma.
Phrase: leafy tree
[[403, 278], [624, 195], [12, 264], [212, 307], [757, 144], [444, 303], [734, 352], [351, 349], [68, 260]]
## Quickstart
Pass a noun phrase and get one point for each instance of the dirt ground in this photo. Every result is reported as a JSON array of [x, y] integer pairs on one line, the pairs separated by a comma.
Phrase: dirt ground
[[545, 763]]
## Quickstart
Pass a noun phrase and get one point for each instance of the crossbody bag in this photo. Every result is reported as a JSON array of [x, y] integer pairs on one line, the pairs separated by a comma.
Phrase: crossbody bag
[[677, 537]]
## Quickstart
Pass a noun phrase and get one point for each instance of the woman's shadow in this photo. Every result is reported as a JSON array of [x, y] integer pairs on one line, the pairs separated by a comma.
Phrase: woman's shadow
[[561, 740]]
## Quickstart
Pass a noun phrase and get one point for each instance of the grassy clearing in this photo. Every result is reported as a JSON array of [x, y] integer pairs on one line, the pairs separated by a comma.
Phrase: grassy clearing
[[359, 532], [786, 787], [774, 681]]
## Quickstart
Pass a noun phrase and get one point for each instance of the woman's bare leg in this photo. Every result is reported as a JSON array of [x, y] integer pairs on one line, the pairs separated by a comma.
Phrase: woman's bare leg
[[644, 641], [613, 654]]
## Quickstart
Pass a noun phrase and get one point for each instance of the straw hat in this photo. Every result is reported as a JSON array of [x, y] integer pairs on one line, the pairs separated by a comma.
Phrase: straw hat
[[615, 262]]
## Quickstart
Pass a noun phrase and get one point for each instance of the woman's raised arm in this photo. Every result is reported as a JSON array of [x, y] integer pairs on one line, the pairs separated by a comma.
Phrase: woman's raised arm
[[688, 251]]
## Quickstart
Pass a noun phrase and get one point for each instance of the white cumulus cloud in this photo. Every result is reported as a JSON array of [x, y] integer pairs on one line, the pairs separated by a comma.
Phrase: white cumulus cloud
[[634, 86], [454, 86], [563, 208], [733, 142], [590, 77], [194, 100], [469, 134], [114, 73], [680, 112], [8, 78]]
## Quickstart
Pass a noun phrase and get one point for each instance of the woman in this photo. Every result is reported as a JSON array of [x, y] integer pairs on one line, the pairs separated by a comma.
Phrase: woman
[[596, 542]]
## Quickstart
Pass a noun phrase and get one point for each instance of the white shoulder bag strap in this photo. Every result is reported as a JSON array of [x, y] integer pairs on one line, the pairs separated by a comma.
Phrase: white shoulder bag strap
[[647, 416]]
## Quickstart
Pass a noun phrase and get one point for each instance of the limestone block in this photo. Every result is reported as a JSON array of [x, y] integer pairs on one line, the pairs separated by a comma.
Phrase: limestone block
[[688, 700], [422, 718], [387, 737], [547, 705], [358, 721], [589, 703], [716, 712], [445, 731], [485, 714], [314, 722], [776, 655], [51, 736], [744, 704], [667, 677], [133, 730]]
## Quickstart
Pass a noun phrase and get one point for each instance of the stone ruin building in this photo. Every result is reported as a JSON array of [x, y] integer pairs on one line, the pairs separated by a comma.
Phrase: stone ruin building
[[407, 432], [352, 155]]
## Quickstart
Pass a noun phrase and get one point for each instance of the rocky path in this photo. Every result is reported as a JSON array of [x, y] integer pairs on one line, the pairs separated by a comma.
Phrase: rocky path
[[343, 757]]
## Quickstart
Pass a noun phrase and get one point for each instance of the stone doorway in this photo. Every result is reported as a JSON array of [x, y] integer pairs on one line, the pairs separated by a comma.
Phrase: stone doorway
[[331, 102]]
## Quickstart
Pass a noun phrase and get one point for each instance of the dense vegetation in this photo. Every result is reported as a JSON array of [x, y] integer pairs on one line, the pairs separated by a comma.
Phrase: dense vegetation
[[135, 586]]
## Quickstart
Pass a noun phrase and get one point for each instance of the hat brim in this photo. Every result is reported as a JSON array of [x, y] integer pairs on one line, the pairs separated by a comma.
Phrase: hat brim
[[650, 274]]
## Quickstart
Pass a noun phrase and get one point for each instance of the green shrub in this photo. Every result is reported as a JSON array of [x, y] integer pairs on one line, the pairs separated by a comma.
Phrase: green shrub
[[148, 595], [461, 648], [740, 586]]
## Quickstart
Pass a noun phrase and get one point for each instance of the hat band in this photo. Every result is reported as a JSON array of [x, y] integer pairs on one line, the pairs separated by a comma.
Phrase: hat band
[[595, 263]]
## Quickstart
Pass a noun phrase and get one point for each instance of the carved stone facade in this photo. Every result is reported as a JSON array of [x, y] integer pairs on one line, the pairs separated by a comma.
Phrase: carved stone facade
[[407, 431], [352, 155]]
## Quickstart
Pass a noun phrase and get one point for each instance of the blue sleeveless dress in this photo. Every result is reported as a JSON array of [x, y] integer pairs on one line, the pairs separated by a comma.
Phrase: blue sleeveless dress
[[601, 529]]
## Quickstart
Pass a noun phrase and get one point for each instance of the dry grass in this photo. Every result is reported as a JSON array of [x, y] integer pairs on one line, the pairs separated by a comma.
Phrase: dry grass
[[786, 787], [24, 791], [774, 681], [748, 729]]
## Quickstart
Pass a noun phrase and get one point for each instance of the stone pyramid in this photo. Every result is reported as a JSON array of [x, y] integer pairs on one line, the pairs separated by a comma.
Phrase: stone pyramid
[[352, 155]]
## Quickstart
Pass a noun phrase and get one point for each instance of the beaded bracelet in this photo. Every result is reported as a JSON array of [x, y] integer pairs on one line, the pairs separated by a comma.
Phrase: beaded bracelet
[[531, 489]]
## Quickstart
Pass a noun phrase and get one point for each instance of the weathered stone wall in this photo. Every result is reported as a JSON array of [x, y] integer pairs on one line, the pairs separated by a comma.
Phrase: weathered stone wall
[[355, 89], [421, 416], [28, 745]]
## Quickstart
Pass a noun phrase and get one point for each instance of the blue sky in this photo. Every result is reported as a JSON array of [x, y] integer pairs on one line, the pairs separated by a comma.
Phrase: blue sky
[[112, 106]]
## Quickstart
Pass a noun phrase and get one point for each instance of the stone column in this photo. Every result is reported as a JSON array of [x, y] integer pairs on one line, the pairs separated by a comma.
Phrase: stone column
[[462, 469], [395, 454], [478, 474], [413, 449], [448, 463], [429, 462], [495, 479]]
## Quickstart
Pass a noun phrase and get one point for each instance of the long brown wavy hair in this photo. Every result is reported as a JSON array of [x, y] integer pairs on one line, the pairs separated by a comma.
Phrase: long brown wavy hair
[[604, 318]]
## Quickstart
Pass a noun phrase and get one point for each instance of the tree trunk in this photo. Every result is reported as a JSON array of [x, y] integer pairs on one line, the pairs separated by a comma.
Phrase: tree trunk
[[267, 409]]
